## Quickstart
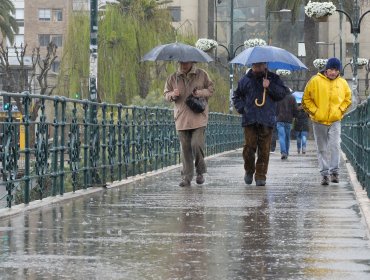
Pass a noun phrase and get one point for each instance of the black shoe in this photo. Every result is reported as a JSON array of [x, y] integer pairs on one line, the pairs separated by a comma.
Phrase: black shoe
[[334, 178], [325, 180], [284, 156], [260, 182], [248, 178], [200, 179], [184, 183]]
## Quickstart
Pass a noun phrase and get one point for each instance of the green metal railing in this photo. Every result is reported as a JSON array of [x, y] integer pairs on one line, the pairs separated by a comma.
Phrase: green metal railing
[[67, 148], [356, 142]]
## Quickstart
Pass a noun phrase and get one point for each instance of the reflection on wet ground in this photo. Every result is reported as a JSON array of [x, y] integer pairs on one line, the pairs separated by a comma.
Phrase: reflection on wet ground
[[291, 229]]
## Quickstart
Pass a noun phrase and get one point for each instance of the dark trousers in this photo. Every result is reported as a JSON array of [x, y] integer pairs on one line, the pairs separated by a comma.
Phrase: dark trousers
[[274, 138], [257, 139], [192, 147]]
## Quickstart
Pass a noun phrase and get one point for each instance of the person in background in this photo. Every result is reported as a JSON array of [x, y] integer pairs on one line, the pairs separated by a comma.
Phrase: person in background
[[258, 117], [273, 140], [326, 98], [301, 129], [190, 126], [286, 110]]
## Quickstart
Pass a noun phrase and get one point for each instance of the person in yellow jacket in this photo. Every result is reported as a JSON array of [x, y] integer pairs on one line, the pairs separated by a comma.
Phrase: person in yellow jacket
[[326, 98]]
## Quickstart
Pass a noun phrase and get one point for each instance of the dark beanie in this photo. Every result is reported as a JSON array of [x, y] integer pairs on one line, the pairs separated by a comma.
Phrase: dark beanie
[[333, 63]]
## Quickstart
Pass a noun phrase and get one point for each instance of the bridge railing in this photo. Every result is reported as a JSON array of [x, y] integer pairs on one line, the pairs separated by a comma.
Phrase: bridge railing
[[356, 142], [57, 145]]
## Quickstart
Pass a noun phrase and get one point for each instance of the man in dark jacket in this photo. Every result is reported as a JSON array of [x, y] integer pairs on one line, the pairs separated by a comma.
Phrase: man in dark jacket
[[255, 98], [286, 110]]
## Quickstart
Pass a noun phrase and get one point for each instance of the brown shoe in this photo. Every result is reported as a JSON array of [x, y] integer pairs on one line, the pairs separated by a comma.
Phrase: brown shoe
[[334, 178], [200, 179], [184, 183], [325, 180]]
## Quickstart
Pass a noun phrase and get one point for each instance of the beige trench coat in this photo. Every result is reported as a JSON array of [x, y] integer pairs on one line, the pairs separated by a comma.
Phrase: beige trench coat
[[184, 117]]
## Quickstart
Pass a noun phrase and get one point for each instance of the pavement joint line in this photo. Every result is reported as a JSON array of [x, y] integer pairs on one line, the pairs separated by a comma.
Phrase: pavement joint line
[[37, 204], [360, 193]]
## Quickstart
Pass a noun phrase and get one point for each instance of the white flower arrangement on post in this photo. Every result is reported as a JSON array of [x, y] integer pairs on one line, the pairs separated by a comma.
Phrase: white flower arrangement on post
[[254, 42], [360, 61], [319, 9], [320, 63], [206, 45], [283, 72]]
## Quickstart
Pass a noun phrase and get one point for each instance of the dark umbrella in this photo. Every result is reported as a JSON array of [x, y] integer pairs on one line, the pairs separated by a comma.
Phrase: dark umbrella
[[177, 52]]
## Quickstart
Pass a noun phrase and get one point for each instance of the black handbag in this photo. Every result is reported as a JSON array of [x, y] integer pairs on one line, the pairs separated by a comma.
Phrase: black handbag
[[196, 104]]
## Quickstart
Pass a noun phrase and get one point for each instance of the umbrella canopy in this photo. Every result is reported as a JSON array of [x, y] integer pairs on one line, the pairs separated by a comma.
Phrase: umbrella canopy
[[177, 52], [298, 96], [276, 58]]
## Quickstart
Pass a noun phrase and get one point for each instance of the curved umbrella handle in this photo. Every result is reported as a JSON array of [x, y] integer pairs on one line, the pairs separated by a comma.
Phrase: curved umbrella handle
[[263, 99]]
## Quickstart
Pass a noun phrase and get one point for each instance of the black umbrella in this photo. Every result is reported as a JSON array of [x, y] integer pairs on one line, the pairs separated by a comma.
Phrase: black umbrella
[[177, 52]]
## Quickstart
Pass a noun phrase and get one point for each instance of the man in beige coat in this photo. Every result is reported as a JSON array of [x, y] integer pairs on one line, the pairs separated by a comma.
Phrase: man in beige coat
[[190, 125]]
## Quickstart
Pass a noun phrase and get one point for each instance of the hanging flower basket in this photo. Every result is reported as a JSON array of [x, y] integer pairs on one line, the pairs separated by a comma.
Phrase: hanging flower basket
[[319, 10], [206, 45], [283, 72], [254, 42], [320, 63], [361, 62], [321, 19]]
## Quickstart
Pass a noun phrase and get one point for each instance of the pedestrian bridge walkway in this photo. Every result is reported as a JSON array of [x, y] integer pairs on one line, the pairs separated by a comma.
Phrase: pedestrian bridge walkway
[[293, 228]]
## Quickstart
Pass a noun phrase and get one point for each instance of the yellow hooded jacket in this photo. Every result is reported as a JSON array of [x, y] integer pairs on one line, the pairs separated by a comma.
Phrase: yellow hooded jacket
[[326, 100]]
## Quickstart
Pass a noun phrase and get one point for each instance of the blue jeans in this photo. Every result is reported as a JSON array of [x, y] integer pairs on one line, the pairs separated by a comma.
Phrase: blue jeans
[[301, 140], [283, 129]]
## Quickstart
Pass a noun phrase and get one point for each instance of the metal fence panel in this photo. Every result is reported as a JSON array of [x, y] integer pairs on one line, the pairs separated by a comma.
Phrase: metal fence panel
[[77, 144]]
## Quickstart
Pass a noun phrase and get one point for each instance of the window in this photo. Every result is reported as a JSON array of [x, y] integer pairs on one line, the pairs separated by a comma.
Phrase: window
[[18, 40], [19, 14], [57, 40], [44, 40], [44, 14], [175, 12], [55, 67], [57, 15], [349, 49]]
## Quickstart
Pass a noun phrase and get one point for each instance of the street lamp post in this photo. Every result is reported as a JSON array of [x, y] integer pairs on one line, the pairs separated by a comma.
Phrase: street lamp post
[[231, 49], [327, 44], [355, 30], [230, 55], [269, 39], [93, 74]]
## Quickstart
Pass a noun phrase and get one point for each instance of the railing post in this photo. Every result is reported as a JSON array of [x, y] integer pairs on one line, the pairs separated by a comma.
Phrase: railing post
[[104, 142], [27, 150], [62, 146], [86, 144], [119, 144], [55, 146]]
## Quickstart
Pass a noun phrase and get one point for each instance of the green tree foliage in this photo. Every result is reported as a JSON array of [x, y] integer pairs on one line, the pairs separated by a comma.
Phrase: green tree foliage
[[126, 32], [74, 72], [8, 24]]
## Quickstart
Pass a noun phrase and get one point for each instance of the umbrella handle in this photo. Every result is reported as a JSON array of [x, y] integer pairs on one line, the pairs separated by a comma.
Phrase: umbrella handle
[[263, 96], [263, 99]]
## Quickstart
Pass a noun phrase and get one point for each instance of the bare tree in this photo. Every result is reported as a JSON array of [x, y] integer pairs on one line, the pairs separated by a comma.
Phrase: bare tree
[[21, 77]]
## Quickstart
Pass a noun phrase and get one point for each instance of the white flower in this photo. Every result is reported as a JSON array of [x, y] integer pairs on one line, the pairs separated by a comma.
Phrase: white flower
[[283, 72], [254, 42], [320, 63], [360, 61], [206, 44], [317, 9]]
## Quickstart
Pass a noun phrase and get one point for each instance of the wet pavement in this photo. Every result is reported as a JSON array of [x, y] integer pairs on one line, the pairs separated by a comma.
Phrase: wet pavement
[[293, 228]]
